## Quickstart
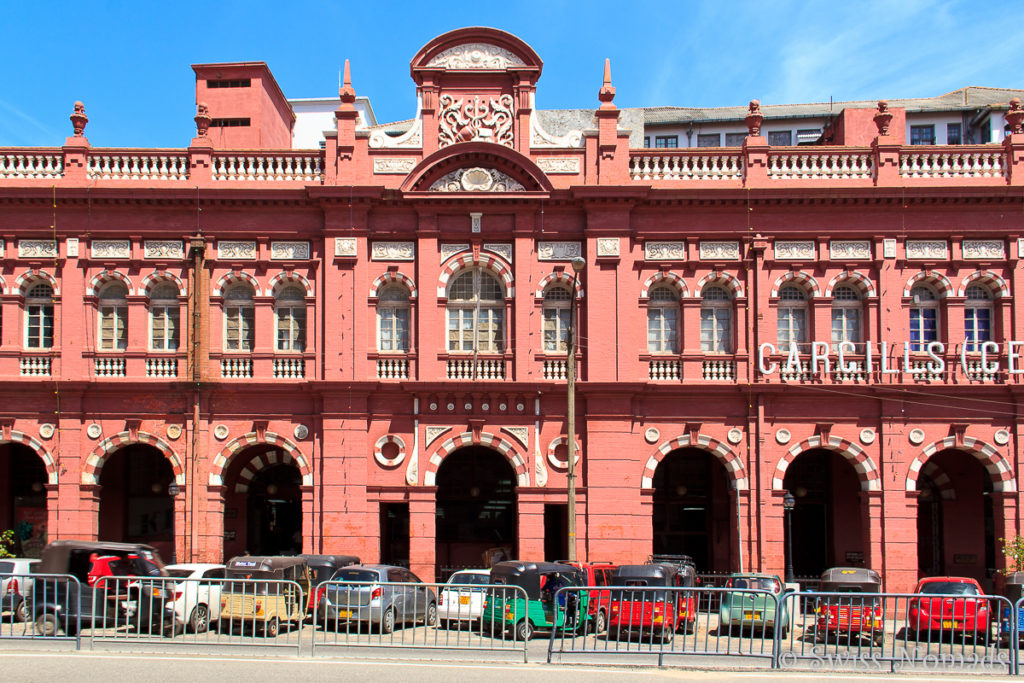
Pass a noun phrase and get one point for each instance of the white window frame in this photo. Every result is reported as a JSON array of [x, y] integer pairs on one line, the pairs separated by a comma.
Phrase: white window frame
[[556, 313], [792, 300], [721, 340], [160, 314], [393, 301], [290, 316], [44, 315], [972, 305], [484, 318], [845, 304], [931, 303], [666, 339], [114, 310], [243, 309]]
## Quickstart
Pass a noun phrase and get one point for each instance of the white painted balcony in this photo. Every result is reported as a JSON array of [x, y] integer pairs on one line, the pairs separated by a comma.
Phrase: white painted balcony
[[268, 166], [392, 368], [27, 164], [236, 367], [35, 366], [479, 369], [109, 366], [289, 368], [137, 165], [162, 367]]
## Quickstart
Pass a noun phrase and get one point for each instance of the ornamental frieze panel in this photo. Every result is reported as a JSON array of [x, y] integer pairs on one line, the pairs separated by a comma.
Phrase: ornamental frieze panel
[[283, 251], [37, 248], [476, 119], [665, 251], [393, 251], [449, 250], [393, 166], [849, 250], [476, 179], [795, 250], [559, 165], [111, 249], [410, 139], [720, 251], [984, 249], [927, 249], [502, 250], [236, 250], [475, 56], [345, 246], [558, 251], [163, 249], [607, 247]]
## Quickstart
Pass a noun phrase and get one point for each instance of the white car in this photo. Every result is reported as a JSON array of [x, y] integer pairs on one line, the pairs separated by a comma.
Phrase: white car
[[463, 603], [196, 602], [16, 587]]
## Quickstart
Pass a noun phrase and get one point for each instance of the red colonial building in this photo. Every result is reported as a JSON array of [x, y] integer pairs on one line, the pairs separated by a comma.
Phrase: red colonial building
[[240, 345]]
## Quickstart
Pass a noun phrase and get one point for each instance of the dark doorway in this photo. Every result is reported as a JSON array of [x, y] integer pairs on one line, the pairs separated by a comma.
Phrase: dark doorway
[[476, 508], [275, 512], [556, 532], [930, 553], [692, 508], [23, 489], [394, 534], [135, 503]]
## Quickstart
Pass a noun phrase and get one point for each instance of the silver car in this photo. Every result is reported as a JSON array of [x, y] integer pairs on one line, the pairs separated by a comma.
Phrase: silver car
[[16, 587], [377, 594]]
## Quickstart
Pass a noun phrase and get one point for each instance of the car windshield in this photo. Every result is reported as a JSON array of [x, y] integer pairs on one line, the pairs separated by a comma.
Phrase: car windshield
[[470, 578], [355, 575], [755, 583], [948, 588], [179, 573]]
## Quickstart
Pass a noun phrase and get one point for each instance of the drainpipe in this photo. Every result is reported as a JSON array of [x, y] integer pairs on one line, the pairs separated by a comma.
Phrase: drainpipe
[[197, 250]]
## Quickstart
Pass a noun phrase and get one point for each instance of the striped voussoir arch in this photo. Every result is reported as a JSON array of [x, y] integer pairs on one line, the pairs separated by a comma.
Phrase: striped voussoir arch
[[941, 281], [25, 281], [867, 471], [941, 480], [228, 278], [995, 464], [35, 445], [289, 449], [671, 278], [717, 277], [261, 462], [854, 278], [3, 285], [390, 277], [732, 462], [996, 284], [285, 277], [103, 277], [493, 263], [561, 278], [160, 276], [799, 277], [486, 439], [104, 449]]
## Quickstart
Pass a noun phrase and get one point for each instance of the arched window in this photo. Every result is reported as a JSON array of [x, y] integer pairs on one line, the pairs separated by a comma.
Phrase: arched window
[[163, 317], [715, 320], [114, 317], [846, 307], [924, 317], [290, 313], [39, 316], [393, 318], [476, 313], [556, 312], [663, 320], [977, 317], [792, 327], [239, 317]]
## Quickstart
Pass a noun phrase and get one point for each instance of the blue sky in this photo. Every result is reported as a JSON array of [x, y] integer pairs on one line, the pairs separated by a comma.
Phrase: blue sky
[[129, 62]]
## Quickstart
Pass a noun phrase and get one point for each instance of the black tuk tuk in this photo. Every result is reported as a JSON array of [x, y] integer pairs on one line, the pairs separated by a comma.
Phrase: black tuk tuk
[[541, 582], [322, 568], [854, 616], [642, 609]]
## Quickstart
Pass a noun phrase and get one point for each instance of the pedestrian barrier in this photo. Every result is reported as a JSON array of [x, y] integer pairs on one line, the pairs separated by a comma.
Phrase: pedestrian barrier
[[41, 606], [673, 622], [435, 616]]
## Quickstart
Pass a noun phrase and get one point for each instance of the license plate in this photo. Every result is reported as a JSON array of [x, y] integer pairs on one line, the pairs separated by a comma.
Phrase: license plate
[[751, 615], [344, 614], [463, 599], [947, 623]]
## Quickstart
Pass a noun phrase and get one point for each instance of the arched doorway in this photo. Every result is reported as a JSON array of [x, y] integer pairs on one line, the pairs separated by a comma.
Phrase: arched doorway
[[263, 506], [692, 509], [827, 519], [23, 489], [476, 508], [955, 517], [135, 502]]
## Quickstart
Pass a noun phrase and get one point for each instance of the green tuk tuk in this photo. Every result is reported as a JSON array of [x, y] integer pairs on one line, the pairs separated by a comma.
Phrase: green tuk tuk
[[543, 608]]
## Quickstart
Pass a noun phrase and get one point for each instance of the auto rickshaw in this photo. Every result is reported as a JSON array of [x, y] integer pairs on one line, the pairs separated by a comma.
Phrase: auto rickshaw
[[261, 602], [852, 617], [653, 611], [1014, 591], [322, 568], [506, 610]]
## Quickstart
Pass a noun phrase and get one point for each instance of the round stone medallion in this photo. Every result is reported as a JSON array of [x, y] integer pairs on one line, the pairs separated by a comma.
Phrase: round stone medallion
[[735, 435], [1002, 437], [46, 430], [220, 432], [916, 436], [389, 451], [173, 432], [783, 436], [651, 434], [867, 436], [301, 432], [94, 431]]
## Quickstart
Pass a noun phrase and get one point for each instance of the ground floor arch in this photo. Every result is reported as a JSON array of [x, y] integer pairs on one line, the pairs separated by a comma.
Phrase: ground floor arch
[[23, 479], [262, 503], [136, 504]]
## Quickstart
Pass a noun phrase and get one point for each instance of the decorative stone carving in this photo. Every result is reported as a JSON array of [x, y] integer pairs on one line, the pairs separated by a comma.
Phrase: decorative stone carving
[[719, 251], [916, 436], [94, 431], [220, 432], [72, 243], [434, 432], [554, 460], [849, 250], [735, 435], [173, 432], [46, 430], [883, 117], [163, 249], [665, 251], [795, 250], [754, 118], [541, 138], [344, 246], [651, 434], [78, 120], [476, 221], [467, 120], [288, 251], [502, 250], [412, 470], [1001, 437], [867, 436], [476, 180], [559, 165], [1015, 117], [393, 251], [378, 451], [607, 247], [927, 249], [111, 249], [393, 166], [540, 470], [301, 432], [558, 251], [449, 250], [37, 248], [2, 246], [889, 248], [521, 434], [783, 436], [475, 56], [984, 249], [236, 250], [410, 139]]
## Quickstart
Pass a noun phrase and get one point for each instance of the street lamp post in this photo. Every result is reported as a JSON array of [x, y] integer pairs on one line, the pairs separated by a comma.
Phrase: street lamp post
[[578, 264], [788, 501]]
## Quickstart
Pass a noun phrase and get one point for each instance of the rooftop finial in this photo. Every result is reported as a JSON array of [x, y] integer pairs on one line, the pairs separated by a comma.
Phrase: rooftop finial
[[1015, 117], [347, 92], [754, 118], [79, 119], [202, 120], [607, 92], [883, 117]]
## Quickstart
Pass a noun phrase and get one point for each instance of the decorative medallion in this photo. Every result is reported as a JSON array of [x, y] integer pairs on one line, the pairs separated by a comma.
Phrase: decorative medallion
[[927, 249], [607, 247], [558, 165], [393, 166], [221, 432], [37, 249], [468, 407], [399, 449], [783, 436], [520, 407], [163, 249], [451, 407], [665, 251], [795, 250], [984, 249], [476, 179], [734, 435], [94, 431], [849, 250], [478, 119], [502, 407], [344, 246], [719, 251], [485, 407], [434, 432], [289, 251], [300, 432], [1001, 437], [521, 434], [236, 250], [72, 243], [502, 250], [916, 436], [393, 251], [475, 56], [46, 430], [555, 460], [651, 434], [433, 406], [173, 432], [119, 249], [449, 250], [867, 436], [558, 251]]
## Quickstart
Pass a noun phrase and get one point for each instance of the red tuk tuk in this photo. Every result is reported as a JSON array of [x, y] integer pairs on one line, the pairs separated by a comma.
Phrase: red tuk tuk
[[852, 617], [596, 574], [635, 606]]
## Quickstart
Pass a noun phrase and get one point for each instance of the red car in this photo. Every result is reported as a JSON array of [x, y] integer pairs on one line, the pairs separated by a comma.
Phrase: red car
[[596, 574], [949, 603]]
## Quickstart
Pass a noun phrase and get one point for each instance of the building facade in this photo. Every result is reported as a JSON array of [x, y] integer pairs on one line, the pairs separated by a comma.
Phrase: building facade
[[241, 346]]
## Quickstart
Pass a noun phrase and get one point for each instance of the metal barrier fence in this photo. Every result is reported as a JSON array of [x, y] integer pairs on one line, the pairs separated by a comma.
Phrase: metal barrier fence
[[41, 606], [420, 615], [672, 621]]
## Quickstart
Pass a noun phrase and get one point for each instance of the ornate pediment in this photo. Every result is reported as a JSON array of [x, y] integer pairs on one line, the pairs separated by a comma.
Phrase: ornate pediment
[[476, 179], [478, 119], [475, 56]]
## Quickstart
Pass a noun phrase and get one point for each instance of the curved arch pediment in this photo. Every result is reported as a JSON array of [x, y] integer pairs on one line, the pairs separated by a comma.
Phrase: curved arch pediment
[[475, 48], [477, 167]]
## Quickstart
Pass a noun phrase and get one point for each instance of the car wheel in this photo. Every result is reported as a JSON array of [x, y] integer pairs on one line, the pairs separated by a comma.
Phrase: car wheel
[[21, 612], [524, 630], [431, 619], [272, 628], [387, 622], [199, 621], [878, 639], [47, 624], [600, 621]]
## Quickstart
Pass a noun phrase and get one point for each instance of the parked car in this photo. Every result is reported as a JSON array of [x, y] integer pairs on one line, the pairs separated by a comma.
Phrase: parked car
[[16, 587], [322, 568], [752, 610], [542, 608], [598, 574], [851, 617], [376, 594], [263, 593], [196, 601], [127, 598], [949, 604], [658, 612], [464, 601]]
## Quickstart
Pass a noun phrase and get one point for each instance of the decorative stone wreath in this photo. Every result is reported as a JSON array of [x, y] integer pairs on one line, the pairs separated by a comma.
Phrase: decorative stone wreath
[[378, 451]]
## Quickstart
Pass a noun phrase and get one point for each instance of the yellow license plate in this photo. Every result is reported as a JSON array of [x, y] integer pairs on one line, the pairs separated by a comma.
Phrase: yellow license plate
[[344, 614], [751, 615], [463, 599], [946, 623]]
